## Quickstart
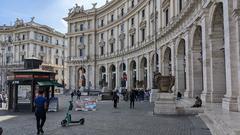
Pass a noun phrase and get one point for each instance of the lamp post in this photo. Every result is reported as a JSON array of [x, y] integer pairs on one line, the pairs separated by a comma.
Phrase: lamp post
[[63, 62]]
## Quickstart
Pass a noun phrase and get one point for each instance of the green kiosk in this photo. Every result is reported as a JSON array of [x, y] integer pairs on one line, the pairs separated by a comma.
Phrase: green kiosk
[[24, 85]]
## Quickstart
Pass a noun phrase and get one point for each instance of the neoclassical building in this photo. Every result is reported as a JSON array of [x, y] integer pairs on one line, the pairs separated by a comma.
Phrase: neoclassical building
[[27, 40], [197, 41]]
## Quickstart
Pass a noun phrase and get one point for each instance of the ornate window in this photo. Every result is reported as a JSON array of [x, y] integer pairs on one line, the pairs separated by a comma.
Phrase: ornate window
[[132, 40], [41, 48], [143, 35], [23, 57], [111, 32], [56, 61], [81, 39], [101, 50], [80, 52], [81, 27], [166, 17], [102, 23], [122, 11], [143, 13], [112, 18], [132, 3], [180, 5], [122, 27], [132, 21], [111, 48]]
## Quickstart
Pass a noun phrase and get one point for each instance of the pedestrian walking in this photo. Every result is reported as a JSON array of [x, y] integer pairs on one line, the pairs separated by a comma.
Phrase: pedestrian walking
[[78, 94], [40, 104], [115, 99], [72, 94], [132, 99]]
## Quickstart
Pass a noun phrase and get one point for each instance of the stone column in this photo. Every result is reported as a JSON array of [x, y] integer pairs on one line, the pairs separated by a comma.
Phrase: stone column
[[173, 61], [237, 15], [188, 58], [148, 72], [206, 57], [129, 75], [76, 76], [231, 58], [118, 74], [137, 69], [159, 60]]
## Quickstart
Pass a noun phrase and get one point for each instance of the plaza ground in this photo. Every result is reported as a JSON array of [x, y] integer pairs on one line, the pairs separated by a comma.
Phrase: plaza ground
[[106, 121]]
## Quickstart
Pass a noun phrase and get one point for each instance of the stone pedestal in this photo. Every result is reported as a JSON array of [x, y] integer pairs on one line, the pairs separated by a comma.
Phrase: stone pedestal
[[153, 95], [230, 104], [165, 104]]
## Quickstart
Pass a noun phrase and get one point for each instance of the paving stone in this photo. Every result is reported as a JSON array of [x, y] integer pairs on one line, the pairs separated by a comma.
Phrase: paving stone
[[109, 121]]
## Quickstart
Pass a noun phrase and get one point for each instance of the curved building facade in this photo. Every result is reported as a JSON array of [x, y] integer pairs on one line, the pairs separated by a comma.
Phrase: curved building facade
[[123, 42]]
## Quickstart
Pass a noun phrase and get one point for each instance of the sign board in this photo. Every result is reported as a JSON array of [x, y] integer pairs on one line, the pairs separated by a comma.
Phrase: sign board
[[24, 94], [86, 105], [53, 105]]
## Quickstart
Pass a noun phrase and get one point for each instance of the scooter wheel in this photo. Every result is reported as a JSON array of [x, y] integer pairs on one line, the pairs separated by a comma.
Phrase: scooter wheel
[[82, 121], [64, 123]]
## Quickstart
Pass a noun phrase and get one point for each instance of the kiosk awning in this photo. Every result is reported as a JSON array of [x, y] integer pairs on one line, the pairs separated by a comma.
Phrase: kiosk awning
[[57, 84], [49, 83], [45, 83]]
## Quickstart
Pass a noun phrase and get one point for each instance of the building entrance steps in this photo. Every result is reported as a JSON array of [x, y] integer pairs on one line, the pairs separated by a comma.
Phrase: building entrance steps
[[221, 122]]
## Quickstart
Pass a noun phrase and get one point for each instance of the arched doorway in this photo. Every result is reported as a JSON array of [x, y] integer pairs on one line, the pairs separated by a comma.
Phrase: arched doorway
[[143, 72], [180, 65], [167, 62], [218, 55], [81, 78], [112, 77], [102, 77], [154, 67], [156, 64], [133, 74], [197, 62], [123, 75]]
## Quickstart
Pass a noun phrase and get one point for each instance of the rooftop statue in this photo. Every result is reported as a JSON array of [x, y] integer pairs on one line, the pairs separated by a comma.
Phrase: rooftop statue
[[94, 5], [32, 19], [19, 22]]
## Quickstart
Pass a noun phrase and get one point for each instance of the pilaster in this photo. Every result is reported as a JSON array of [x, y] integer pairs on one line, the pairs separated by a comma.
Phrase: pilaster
[[188, 57], [206, 58], [230, 101]]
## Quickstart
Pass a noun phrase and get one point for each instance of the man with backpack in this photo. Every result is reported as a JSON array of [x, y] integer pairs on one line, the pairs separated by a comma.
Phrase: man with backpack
[[40, 104]]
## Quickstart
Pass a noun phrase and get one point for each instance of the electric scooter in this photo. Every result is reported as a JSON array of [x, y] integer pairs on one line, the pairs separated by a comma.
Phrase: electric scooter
[[68, 119]]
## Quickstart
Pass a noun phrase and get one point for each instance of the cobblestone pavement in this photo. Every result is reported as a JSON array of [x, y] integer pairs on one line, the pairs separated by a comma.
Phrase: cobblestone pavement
[[107, 121]]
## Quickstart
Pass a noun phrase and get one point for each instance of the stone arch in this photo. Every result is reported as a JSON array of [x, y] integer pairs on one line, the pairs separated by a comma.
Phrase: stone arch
[[152, 62], [167, 61], [218, 54], [81, 77], [197, 61], [102, 75], [123, 74], [112, 77], [133, 74], [143, 71], [180, 67]]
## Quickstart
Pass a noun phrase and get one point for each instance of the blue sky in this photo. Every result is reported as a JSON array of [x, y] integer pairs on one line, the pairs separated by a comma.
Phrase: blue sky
[[48, 12]]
